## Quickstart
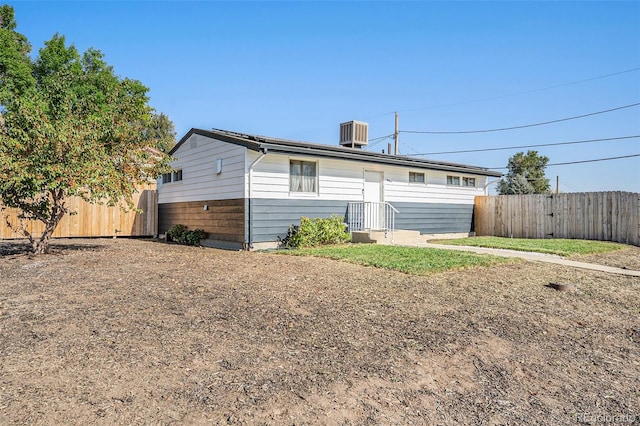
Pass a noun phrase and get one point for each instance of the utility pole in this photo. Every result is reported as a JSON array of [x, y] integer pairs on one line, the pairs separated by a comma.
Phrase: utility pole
[[557, 184], [395, 137]]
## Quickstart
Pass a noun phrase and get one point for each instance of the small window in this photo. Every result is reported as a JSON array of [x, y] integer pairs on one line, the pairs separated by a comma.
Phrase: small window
[[453, 180], [416, 177], [177, 175], [166, 178], [303, 176], [469, 181]]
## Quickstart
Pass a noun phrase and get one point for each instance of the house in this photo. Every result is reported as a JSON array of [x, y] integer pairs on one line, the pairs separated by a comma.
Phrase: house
[[246, 190]]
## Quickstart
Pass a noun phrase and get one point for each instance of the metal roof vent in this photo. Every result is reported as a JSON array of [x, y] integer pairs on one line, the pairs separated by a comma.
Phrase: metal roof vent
[[354, 134]]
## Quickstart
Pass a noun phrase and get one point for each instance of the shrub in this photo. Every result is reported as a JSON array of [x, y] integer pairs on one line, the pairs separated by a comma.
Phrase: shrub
[[176, 232], [317, 231], [181, 235]]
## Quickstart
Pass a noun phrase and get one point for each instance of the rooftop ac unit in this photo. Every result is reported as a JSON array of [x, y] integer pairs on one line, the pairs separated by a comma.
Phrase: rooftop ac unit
[[354, 134]]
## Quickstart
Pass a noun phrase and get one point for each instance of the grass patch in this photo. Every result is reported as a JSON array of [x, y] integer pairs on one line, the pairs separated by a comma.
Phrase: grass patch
[[562, 247], [410, 260]]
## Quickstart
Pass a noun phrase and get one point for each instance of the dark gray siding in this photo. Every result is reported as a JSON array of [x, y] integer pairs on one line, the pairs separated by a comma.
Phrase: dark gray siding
[[433, 218], [271, 218]]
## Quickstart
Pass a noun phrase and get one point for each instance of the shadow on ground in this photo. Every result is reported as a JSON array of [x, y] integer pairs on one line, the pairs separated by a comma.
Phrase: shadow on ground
[[22, 247]]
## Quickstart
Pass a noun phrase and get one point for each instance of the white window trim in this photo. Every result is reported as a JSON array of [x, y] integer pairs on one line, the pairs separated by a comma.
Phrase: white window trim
[[457, 185], [172, 177], [424, 177], [475, 182], [461, 179], [300, 194]]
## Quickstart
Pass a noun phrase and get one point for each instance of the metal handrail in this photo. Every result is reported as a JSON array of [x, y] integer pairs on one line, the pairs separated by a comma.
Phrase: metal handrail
[[371, 215]]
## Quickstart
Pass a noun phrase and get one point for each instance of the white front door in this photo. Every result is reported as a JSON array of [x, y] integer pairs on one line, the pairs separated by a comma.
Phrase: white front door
[[373, 208]]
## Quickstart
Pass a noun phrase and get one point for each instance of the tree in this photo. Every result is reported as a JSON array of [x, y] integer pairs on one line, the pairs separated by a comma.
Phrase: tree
[[525, 175], [517, 184], [163, 131], [15, 65], [72, 127]]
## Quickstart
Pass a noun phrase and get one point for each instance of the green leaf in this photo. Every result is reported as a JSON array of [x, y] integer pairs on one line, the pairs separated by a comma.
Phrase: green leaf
[[71, 127]]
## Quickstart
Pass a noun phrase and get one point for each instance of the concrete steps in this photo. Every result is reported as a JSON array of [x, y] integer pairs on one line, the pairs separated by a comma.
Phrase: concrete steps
[[401, 237]]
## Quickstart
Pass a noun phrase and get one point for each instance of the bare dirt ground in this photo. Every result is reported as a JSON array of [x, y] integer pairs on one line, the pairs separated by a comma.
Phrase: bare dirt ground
[[627, 258], [131, 331]]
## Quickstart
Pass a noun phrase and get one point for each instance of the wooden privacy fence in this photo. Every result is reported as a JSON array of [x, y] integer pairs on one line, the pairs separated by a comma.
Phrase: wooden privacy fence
[[94, 220], [605, 216]]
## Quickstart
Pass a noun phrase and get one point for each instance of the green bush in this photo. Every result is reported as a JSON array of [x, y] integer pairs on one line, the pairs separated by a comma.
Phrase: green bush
[[176, 232], [317, 231], [181, 235]]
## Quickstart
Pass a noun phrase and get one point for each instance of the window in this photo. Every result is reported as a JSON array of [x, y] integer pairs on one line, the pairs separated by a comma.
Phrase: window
[[416, 177], [464, 181], [172, 177], [302, 176]]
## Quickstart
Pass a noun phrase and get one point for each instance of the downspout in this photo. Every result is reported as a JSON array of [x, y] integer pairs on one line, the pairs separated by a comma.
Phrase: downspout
[[486, 185], [248, 245]]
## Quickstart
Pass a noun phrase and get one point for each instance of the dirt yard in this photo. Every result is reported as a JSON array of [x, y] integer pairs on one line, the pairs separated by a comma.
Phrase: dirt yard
[[131, 331]]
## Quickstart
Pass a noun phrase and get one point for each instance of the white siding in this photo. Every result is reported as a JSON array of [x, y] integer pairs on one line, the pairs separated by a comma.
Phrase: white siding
[[343, 180], [196, 157], [435, 190]]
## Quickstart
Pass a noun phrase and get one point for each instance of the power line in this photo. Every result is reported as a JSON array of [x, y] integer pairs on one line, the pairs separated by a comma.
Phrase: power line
[[523, 126], [595, 160], [380, 138], [562, 182], [524, 92], [411, 149], [377, 141], [530, 146], [483, 99], [510, 94], [571, 186], [580, 162]]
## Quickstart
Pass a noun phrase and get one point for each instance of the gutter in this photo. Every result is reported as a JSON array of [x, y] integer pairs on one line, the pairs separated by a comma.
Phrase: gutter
[[381, 160], [248, 244], [486, 186]]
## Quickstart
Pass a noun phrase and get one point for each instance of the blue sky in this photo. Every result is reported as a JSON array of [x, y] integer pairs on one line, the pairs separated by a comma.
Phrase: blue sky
[[298, 69]]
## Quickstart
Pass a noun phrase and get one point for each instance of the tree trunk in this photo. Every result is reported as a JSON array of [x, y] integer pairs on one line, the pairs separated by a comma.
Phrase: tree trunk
[[42, 245]]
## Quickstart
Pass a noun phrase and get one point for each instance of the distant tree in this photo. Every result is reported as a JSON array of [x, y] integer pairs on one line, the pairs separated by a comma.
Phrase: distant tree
[[525, 175], [517, 184], [163, 132], [72, 127]]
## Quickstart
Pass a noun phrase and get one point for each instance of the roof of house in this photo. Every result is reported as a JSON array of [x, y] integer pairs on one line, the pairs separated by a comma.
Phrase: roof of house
[[284, 146]]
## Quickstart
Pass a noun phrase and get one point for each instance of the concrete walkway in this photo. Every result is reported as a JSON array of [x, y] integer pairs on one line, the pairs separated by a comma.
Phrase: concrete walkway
[[535, 257]]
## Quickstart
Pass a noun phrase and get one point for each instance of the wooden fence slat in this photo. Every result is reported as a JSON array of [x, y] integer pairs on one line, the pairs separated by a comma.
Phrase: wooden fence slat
[[608, 216], [95, 220]]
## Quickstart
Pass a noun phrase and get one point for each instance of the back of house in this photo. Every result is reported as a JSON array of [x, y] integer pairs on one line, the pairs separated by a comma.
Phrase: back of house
[[245, 191]]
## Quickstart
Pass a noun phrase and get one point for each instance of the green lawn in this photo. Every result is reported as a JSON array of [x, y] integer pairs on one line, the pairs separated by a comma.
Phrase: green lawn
[[559, 246], [410, 260]]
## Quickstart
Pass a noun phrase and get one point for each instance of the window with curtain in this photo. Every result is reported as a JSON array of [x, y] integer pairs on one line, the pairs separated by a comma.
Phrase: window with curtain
[[302, 176], [415, 177], [468, 181]]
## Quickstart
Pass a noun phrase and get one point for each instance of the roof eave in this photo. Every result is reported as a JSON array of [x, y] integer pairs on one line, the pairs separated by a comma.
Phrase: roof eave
[[390, 160], [265, 144]]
